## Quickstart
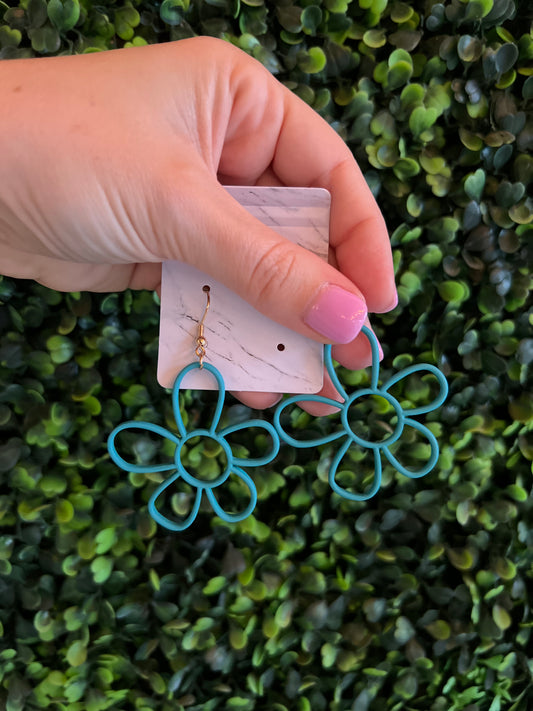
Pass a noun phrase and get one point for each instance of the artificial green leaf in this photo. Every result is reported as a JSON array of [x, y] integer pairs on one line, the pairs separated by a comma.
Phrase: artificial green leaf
[[64, 14], [172, 11], [45, 40], [313, 61], [421, 119], [76, 654], [474, 185]]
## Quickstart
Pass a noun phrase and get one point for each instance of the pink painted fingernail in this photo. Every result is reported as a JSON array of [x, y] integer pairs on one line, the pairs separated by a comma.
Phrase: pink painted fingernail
[[336, 314]]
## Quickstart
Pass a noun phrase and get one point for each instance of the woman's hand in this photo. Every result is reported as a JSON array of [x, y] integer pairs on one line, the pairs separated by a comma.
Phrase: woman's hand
[[113, 162]]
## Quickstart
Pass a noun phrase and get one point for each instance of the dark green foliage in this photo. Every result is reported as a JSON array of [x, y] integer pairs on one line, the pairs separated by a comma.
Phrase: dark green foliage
[[415, 600]]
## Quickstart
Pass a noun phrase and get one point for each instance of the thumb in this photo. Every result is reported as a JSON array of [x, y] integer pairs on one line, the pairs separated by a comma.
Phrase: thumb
[[287, 283]]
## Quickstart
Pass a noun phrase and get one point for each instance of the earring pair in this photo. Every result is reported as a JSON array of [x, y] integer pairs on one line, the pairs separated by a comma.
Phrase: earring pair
[[344, 436]]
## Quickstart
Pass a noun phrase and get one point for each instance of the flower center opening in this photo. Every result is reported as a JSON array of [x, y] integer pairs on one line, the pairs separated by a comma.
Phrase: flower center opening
[[374, 419], [203, 460]]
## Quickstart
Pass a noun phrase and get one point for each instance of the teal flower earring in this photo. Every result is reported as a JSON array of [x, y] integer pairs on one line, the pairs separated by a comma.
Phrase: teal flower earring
[[178, 471], [347, 437]]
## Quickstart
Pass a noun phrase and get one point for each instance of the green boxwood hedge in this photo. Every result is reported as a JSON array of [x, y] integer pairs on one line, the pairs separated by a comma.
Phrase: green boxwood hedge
[[418, 599]]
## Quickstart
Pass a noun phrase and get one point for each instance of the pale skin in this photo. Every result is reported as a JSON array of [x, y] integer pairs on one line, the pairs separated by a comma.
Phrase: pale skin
[[113, 162]]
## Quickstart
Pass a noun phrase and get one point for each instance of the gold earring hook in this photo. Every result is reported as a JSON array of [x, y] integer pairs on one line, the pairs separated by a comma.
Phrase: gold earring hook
[[201, 342]]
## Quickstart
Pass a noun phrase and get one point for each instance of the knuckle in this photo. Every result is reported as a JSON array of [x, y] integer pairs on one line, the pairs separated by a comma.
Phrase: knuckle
[[272, 272]]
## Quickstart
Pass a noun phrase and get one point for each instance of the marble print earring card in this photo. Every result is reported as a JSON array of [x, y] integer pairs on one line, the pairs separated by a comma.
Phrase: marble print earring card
[[252, 352]]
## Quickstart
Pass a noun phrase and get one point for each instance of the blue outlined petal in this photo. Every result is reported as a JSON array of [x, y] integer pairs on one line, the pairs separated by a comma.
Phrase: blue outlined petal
[[374, 347], [376, 483], [232, 518], [163, 520], [258, 461], [328, 362], [139, 468], [294, 399], [176, 396], [415, 474], [426, 367]]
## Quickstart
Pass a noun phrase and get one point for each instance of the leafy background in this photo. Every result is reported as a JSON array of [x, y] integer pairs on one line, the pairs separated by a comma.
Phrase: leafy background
[[417, 599]]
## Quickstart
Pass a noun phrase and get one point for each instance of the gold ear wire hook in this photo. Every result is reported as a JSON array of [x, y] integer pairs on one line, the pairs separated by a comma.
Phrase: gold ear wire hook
[[201, 342]]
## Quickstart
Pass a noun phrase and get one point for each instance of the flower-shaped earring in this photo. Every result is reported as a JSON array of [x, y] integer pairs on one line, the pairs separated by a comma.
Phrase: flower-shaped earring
[[233, 464], [348, 437]]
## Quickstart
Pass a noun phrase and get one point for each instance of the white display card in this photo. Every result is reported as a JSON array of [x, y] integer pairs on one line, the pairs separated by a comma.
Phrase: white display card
[[251, 352]]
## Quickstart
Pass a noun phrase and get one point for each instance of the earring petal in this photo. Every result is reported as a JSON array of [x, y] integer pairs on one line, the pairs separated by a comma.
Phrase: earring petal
[[437, 400], [176, 392], [258, 461], [139, 468], [341, 491], [417, 473], [232, 518], [374, 378], [328, 362], [317, 441], [163, 520]]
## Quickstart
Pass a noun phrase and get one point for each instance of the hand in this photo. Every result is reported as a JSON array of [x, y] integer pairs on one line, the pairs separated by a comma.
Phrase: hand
[[113, 162]]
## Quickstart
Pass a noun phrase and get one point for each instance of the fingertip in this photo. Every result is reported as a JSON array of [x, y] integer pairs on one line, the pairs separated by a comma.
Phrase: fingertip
[[357, 354], [319, 409], [365, 257], [257, 401], [392, 304]]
